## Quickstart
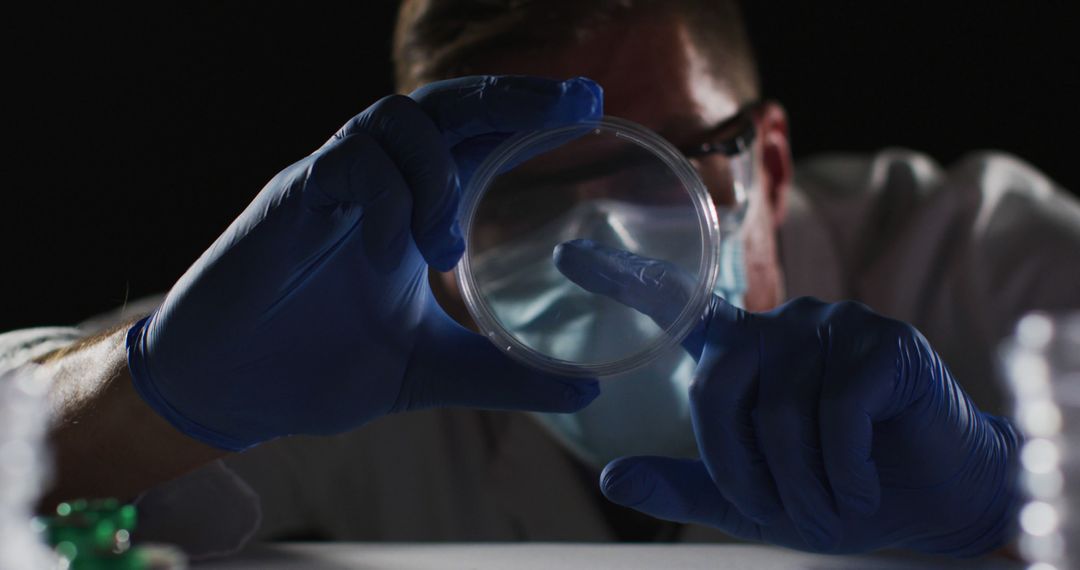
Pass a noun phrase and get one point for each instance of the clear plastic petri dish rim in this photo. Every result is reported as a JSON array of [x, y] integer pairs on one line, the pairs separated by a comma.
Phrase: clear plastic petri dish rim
[[529, 147]]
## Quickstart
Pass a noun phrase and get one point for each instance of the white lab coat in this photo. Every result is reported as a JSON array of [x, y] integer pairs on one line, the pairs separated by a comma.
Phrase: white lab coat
[[960, 253]]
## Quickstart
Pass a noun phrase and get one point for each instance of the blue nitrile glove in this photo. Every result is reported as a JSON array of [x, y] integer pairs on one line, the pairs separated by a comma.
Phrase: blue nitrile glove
[[312, 313], [822, 427]]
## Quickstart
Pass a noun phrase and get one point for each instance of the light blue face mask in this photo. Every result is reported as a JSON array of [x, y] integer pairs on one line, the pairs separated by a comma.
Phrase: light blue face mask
[[642, 412]]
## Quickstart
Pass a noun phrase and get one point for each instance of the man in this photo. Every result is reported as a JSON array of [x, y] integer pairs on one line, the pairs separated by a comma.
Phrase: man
[[820, 427]]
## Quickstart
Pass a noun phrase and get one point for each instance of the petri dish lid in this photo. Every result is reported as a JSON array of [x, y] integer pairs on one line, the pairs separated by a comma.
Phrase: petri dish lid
[[611, 181]]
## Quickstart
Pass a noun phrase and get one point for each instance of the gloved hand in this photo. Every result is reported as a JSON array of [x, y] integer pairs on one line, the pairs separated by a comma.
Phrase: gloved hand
[[312, 313], [822, 427]]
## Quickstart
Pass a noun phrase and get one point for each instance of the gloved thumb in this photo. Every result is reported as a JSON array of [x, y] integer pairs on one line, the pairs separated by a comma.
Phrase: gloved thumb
[[672, 489]]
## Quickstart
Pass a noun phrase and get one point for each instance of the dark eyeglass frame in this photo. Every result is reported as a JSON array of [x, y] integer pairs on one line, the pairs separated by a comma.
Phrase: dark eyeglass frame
[[732, 145]]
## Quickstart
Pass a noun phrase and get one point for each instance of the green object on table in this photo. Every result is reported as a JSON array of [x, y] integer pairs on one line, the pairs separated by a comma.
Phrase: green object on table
[[94, 535]]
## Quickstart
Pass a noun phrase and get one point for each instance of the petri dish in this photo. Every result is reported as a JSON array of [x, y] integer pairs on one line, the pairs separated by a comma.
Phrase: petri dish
[[610, 181]]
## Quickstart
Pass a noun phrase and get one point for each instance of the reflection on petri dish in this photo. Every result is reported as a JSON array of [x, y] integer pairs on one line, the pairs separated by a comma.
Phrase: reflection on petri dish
[[613, 182]]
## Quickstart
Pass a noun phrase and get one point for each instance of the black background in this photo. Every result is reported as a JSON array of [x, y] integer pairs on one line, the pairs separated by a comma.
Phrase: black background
[[135, 135]]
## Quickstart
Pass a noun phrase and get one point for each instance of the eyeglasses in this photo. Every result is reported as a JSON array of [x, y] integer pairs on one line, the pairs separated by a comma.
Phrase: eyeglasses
[[731, 137], [726, 165]]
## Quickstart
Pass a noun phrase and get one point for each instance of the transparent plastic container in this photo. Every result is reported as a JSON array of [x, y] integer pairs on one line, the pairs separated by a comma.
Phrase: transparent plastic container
[[1042, 368], [613, 182]]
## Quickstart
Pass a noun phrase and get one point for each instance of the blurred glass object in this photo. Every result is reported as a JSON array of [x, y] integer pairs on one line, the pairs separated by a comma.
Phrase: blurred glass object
[[1042, 365], [24, 468]]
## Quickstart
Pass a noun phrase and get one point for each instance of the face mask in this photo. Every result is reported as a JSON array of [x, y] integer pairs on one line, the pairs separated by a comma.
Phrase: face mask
[[645, 411]]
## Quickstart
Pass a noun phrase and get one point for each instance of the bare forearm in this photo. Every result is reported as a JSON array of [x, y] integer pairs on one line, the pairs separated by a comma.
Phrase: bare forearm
[[106, 441]]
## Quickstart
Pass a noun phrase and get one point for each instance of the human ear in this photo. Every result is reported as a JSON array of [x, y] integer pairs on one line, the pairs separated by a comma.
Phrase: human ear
[[776, 165]]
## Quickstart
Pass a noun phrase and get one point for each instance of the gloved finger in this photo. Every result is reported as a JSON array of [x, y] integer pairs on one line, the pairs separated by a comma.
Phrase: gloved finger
[[478, 105], [846, 440], [653, 287], [673, 489], [788, 431], [723, 396], [853, 393], [353, 170], [461, 368], [385, 232], [414, 142], [356, 172]]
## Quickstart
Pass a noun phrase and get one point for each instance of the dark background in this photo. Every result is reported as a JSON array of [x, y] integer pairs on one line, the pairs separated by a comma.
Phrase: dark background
[[135, 135]]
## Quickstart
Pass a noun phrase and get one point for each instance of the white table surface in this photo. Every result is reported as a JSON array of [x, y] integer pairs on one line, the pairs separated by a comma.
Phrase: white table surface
[[530, 556]]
